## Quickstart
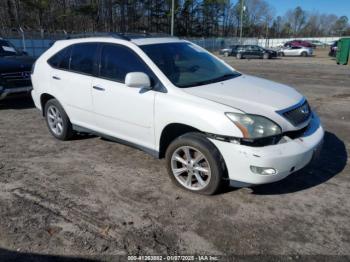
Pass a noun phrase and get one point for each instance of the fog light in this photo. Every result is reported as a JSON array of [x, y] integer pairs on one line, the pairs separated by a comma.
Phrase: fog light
[[263, 170]]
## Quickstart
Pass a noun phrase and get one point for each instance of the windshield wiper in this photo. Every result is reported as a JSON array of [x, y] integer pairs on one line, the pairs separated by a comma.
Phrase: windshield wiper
[[214, 80], [225, 77]]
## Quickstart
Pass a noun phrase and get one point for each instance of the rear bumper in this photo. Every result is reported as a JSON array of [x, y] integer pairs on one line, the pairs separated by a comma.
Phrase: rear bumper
[[285, 158], [4, 92]]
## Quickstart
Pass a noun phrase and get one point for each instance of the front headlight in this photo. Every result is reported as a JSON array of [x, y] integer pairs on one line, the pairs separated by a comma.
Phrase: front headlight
[[254, 126]]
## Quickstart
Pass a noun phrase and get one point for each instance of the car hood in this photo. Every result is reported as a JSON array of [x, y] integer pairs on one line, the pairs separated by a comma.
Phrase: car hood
[[250, 94], [10, 64]]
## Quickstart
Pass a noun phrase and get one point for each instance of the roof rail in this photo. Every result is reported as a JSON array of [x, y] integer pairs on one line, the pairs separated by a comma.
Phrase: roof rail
[[91, 34], [125, 36], [145, 34]]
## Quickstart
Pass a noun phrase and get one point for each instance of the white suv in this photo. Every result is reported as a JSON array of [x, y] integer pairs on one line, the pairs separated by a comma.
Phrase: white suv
[[173, 99]]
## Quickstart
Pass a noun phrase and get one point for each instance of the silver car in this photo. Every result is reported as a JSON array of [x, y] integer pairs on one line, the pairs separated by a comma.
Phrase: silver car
[[296, 51]]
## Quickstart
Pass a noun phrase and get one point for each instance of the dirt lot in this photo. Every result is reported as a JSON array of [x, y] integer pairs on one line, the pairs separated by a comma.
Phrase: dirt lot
[[92, 196]]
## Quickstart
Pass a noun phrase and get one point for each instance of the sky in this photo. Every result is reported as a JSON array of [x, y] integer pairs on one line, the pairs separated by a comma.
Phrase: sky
[[337, 7]]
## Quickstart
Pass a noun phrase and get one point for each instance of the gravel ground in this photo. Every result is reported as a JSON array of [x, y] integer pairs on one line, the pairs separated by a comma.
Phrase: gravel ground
[[91, 196]]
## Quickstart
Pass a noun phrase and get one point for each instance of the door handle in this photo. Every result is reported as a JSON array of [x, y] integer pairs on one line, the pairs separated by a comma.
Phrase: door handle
[[56, 78], [98, 88]]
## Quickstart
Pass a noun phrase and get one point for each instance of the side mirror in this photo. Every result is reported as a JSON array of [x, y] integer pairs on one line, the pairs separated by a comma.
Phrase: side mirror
[[138, 80]]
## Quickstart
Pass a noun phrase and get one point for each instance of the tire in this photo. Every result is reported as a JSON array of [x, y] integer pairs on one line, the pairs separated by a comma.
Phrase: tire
[[282, 54], [226, 54], [239, 56], [56, 117], [266, 56], [304, 54], [208, 158]]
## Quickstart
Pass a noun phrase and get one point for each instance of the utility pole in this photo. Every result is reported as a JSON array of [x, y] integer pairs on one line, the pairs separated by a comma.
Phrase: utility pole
[[267, 32], [241, 24], [172, 16]]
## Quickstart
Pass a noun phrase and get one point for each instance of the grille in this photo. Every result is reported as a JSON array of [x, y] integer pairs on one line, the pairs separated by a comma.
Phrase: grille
[[16, 79], [299, 114], [16, 76]]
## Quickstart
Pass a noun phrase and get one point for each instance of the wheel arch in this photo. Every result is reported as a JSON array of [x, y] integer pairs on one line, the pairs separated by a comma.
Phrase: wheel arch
[[43, 100], [172, 131]]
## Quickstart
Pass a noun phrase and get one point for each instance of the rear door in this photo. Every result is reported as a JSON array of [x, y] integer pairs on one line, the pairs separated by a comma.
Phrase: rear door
[[255, 51], [248, 52], [71, 79]]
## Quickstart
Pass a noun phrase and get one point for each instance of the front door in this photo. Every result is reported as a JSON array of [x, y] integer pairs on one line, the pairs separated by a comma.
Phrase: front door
[[123, 112]]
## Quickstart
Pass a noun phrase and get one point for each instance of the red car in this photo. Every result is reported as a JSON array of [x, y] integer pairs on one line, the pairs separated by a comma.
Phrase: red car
[[300, 43]]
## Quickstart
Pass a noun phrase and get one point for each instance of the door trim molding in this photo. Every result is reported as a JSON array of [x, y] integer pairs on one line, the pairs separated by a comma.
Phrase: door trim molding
[[147, 150]]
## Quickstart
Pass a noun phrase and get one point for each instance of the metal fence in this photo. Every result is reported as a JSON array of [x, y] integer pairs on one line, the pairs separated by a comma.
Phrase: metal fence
[[215, 44], [35, 43], [276, 42], [35, 47]]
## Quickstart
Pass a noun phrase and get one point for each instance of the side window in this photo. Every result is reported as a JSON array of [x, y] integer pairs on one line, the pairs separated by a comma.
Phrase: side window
[[61, 59], [83, 58], [251, 48], [6, 48], [117, 61]]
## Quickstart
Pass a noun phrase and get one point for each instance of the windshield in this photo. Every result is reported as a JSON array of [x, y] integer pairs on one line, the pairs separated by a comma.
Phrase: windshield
[[186, 65], [7, 49]]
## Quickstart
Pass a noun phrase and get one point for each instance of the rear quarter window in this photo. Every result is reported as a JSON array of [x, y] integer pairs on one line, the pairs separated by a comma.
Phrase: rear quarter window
[[61, 59]]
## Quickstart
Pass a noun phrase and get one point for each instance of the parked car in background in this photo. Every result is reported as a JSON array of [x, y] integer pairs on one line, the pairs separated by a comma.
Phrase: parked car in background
[[295, 51], [317, 43], [174, 99], [15, 68], [333, 49], [301, 43], [254, 51], [229, 51]]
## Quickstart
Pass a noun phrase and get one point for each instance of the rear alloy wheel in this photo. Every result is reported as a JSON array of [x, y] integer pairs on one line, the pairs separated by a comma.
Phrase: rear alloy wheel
[[304, 54], [195, 164], [239, 56], [57, 120]]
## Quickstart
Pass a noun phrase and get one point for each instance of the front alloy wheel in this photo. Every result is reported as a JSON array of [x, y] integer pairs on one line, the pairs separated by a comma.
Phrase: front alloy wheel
[[190, 168], [194, 163]]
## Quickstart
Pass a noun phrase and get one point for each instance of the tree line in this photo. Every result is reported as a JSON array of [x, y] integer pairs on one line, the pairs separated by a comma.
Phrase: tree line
[[193, 18]]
